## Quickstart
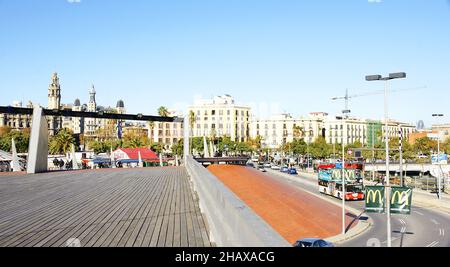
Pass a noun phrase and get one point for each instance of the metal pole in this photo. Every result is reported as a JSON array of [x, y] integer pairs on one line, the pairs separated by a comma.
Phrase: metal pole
[[343, 184], [373, 153], [401, 156], [387, 186], [439, 165]]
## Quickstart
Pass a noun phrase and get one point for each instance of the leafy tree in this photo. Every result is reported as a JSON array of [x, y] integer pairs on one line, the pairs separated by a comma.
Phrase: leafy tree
[[320, 149], [297, 147], [136, 141], [244, 147], [62, 142], [255, 143], [4, 130], [425, 145], [226, 145], [446, 146], [104, 146], [158, 148], [21, 138], [178, 148]]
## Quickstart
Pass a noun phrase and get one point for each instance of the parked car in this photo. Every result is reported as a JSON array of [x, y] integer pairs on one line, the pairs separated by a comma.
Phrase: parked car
[[284, 169], [293, 171], [267, 165], [275, 167], [313, 242]]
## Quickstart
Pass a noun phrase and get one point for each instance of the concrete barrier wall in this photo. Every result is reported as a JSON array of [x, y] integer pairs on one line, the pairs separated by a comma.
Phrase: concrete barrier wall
[[231, 222]]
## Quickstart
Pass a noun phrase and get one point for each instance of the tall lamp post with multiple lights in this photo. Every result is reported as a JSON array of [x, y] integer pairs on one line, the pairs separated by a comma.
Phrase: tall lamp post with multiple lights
[[392, 76], [439, 154], [345, 116]]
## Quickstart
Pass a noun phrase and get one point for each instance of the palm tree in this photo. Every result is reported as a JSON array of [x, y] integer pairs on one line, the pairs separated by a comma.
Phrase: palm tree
[[62, 142], [163, 111]]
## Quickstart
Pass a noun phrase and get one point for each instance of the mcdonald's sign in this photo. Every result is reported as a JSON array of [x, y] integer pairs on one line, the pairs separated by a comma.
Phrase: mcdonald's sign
[[401, 199], [375, 199]]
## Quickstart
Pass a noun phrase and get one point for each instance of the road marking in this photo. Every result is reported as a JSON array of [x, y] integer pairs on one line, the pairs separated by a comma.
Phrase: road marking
[[442, 232], [421, 214], [403, 230], [402, 221], [434, 221], [433, 244]]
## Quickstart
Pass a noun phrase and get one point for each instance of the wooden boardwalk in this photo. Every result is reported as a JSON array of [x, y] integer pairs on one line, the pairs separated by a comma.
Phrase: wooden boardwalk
[[153, 207]]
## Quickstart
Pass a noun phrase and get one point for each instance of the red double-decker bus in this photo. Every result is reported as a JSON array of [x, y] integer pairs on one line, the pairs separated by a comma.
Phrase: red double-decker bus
[[330, 181]]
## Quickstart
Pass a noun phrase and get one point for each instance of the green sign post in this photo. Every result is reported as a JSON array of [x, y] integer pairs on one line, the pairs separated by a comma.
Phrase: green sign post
[[401, 199], [375, 200]]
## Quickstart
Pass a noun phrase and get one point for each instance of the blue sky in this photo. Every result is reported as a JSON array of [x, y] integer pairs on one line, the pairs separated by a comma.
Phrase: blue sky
[[292, 54]]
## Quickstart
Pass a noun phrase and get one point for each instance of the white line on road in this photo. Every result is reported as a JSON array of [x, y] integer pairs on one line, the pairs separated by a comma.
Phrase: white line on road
[[403, 230], [420, 213], [442, 232], [433, 244]]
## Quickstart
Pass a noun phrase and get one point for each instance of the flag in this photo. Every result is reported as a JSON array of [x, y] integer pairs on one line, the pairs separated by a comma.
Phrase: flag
[[119, 130]]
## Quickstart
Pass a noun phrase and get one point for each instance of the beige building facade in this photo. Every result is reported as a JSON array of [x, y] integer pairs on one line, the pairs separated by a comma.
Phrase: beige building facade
[[281, 129], [219, 117]]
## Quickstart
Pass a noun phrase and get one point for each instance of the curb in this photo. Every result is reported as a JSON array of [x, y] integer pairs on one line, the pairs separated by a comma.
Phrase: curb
[[360, 228]]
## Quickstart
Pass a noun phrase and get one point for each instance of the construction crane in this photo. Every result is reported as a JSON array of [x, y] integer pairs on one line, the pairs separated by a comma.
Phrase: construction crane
[[347, 97]]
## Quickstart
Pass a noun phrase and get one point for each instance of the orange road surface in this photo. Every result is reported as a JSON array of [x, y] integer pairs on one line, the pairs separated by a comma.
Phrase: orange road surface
[[292, 212]]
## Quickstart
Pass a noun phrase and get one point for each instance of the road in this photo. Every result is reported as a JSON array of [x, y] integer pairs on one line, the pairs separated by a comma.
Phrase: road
[[423, 228]]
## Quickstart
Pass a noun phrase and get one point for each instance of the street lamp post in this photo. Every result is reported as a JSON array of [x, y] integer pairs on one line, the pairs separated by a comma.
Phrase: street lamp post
[[439, 154], [344, 190], [392, 76]]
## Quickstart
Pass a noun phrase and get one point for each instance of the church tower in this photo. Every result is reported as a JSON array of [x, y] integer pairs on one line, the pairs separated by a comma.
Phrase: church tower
[[91, 123], [54, 93], [54, 102], [92, 105]]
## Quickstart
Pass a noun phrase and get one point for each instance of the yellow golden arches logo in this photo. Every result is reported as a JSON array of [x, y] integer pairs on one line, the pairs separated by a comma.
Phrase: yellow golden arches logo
[[402, 197], [373, 195]]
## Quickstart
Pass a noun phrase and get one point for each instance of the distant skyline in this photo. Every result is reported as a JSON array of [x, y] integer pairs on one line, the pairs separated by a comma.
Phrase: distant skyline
[[291, 54]]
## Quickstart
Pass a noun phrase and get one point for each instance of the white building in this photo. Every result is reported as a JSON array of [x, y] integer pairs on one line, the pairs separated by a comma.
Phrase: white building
[[220, 117], [281, 129], [167, 133]]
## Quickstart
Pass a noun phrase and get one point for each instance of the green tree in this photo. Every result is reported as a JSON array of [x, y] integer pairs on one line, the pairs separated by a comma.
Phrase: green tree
[[320, 149], [226, 145], [21, 138], [158, 148], [243, 147], [178, 148], [62, 142], [297, 147], [446, 146], [5, 130], [425, 145]]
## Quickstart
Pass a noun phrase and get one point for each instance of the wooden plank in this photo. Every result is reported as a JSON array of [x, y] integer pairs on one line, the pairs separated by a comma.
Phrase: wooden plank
[[134, 207]]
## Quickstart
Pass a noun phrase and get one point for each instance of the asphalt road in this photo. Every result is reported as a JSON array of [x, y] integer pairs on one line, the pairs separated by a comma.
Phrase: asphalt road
[[423, 228]]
